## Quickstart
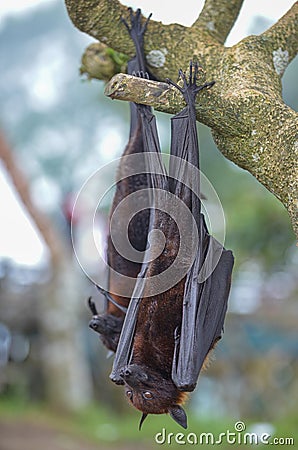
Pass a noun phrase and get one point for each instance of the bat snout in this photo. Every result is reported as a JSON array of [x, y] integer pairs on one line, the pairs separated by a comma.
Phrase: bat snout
[[133, 375], [95, 324], [125, 372]]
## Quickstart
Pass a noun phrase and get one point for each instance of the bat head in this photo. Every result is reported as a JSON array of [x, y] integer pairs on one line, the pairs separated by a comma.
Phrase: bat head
[[108, 327], [151, 393]]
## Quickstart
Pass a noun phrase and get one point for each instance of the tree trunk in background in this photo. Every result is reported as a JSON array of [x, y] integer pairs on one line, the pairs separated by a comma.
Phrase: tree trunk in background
[[66, 372]]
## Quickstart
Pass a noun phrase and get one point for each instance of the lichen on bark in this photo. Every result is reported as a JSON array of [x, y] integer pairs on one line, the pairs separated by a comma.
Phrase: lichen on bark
[[250, 123]]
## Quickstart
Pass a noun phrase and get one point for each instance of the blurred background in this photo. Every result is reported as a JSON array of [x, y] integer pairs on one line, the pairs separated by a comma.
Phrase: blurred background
[[56, 129]]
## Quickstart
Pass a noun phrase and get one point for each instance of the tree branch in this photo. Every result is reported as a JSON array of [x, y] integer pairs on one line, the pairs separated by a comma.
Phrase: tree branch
[[249, 121], [257, 147], [284, 36], [165, 98], [218, 17], [101, 19], [157, 94], [101, 62], [45, 227]]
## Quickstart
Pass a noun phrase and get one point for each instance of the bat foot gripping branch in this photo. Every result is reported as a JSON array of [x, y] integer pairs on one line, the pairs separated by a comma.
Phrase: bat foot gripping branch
[[190, 87]]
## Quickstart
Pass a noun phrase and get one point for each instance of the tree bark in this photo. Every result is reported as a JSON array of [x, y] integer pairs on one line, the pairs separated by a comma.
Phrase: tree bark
[[250, 123]]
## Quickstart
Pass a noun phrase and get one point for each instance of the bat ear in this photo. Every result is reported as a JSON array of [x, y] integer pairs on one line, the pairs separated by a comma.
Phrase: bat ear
[[179, 415], [142, 420]]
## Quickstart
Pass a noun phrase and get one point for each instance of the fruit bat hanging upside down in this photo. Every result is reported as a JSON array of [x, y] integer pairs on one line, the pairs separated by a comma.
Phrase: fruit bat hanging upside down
[[109, 324], [167, 335]]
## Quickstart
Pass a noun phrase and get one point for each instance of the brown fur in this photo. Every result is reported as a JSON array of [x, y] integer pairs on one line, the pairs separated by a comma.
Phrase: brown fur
[[153, 345], [159, 318]]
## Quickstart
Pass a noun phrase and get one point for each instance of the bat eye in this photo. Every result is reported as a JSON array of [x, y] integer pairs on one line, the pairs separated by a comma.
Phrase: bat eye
[[129, 394], [147, 395]]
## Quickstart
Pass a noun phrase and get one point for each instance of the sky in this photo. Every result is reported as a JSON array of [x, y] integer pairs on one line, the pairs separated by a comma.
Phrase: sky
[[272, 10], [19, 240]]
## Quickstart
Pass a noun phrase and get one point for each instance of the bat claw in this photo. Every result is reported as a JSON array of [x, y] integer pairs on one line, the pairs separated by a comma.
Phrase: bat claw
[[146, 23], [182, 76], [205, 86], [169, 81], [141, 74], [125, 23], [190, 72], [190, 87], [136, 26]]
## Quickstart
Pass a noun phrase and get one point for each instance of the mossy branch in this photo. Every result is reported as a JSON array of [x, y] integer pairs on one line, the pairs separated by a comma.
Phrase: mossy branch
[[250, 123], [284, 33], [218, 17]]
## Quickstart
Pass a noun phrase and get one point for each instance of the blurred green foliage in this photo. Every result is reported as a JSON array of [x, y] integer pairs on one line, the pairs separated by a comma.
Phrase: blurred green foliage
[[109, 430]]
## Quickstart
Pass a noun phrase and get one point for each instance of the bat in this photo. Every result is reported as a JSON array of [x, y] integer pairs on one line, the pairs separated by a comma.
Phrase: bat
[[166, 337], [109, 324]]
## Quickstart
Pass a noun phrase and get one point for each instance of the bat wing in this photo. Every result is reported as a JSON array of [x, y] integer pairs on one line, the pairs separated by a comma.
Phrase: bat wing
[[184, 182], [136, 30], [123, 352], [204, 309], [138, 228], [208, 280], [133, 66], [158, 180]]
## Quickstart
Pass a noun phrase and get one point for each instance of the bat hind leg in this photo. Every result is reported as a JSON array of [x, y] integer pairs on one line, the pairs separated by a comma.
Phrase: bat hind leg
[[135, 28], [190, 87]]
